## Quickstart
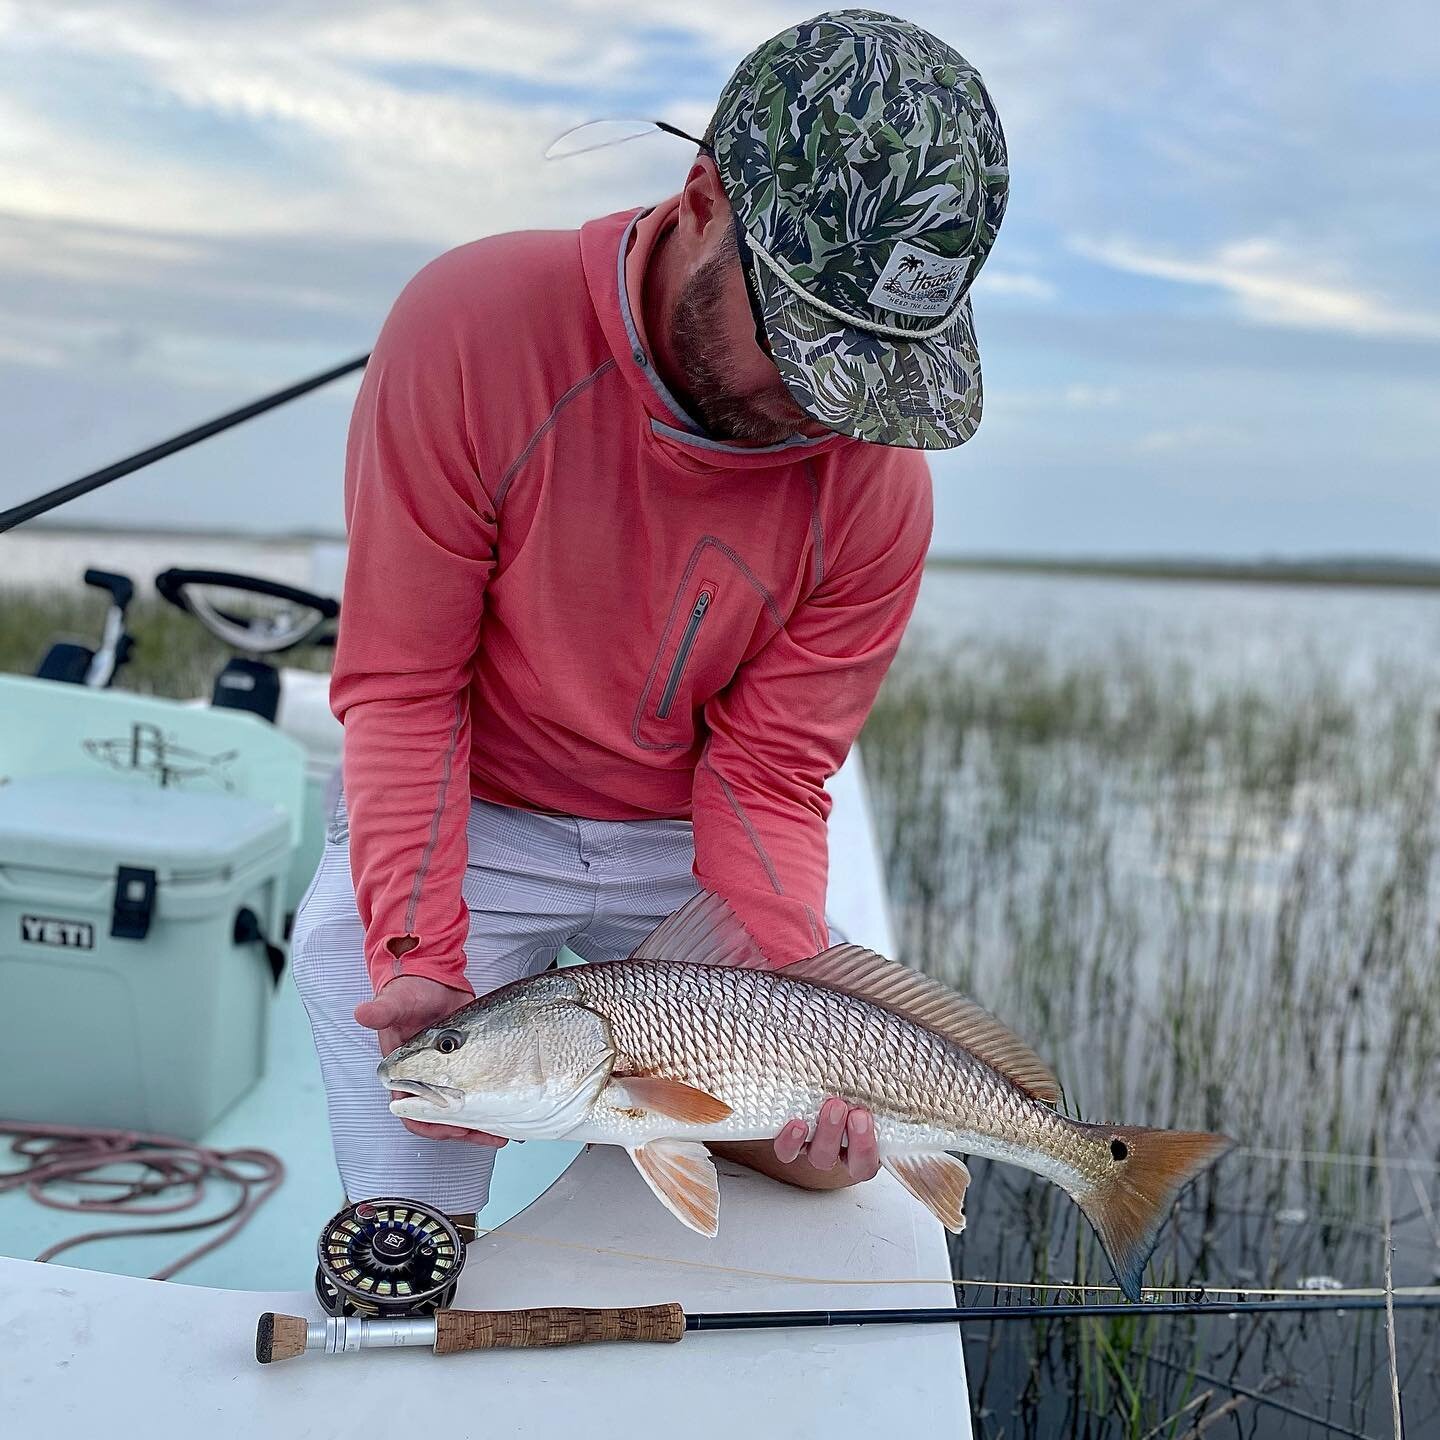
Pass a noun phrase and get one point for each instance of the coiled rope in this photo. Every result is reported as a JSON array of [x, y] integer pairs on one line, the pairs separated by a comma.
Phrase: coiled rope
[[58, 1157]]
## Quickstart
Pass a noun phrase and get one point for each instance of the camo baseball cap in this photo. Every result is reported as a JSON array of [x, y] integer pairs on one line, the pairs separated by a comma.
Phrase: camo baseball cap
[[867, 168]]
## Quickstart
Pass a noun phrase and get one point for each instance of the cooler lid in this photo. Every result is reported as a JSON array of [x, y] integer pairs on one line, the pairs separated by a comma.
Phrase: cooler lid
[[86, 826]]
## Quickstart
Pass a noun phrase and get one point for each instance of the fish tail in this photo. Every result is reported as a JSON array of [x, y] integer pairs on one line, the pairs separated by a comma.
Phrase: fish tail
[[1145, 1170]]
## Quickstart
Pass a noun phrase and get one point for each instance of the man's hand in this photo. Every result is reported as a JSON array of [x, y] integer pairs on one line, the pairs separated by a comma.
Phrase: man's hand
[[407, 1005], [843, 1133], [841, 1128]]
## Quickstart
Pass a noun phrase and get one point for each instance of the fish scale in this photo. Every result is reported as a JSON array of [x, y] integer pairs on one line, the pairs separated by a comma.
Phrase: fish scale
[[768, 1046]]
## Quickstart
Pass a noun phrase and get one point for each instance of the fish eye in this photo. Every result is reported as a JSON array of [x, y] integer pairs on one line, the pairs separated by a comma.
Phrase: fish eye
[[1119, 1149], [449, 1041]]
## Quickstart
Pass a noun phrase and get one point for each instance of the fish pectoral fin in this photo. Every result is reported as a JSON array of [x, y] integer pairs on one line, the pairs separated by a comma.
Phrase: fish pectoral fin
[[682, 1175], [660, 1096], [938, 1181]]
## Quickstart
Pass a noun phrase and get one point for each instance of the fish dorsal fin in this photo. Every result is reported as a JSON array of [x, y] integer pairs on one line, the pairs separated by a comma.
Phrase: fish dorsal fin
[[907, 992], [703, 931]]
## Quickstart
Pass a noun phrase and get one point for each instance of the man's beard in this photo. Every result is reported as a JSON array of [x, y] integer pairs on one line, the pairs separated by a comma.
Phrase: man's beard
[[727, 413]]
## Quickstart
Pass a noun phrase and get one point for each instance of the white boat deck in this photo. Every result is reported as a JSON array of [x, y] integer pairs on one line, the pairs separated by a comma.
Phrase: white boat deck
[[92, 1354], [87, 1348]]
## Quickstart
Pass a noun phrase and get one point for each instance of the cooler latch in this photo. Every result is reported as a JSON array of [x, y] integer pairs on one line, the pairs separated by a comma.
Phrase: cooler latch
[[134, 903]]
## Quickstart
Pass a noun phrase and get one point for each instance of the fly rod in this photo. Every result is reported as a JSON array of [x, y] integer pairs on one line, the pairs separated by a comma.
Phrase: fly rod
[[448, 1332]]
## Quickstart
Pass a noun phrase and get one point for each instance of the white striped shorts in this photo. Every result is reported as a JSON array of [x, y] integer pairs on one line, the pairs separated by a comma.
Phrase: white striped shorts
[[533, 884]]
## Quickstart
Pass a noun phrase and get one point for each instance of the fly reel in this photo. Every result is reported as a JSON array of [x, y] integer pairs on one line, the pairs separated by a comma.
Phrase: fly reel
[[389, 1257]]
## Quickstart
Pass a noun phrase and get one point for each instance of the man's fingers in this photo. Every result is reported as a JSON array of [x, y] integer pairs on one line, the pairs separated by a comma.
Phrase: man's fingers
[[409, 1003], [841, 1133], [376, 1014], [791, 1141], [862, 1152], [453, 1132], [432, 1131], [824, 1150]]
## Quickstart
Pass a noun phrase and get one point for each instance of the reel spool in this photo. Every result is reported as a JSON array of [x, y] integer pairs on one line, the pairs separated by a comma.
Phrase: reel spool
[[389, 1257]]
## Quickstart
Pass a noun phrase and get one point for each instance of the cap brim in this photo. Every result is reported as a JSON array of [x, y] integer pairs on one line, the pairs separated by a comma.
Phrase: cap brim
[[924, 394]]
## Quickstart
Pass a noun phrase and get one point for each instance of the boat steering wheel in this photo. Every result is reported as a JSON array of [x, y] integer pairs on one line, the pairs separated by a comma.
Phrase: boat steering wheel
[[300, 619]]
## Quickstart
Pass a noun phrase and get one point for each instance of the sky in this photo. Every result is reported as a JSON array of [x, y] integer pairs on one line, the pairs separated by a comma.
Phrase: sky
[[1210, 324]]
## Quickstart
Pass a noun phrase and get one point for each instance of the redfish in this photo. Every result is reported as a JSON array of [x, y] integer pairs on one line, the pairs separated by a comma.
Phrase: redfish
[[695, 1038]]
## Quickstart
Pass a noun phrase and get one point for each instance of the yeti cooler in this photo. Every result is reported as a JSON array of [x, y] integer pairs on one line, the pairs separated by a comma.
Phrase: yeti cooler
[[138, 928]]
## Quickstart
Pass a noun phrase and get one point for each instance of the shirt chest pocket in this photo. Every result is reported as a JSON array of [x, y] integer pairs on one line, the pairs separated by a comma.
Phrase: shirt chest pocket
[[712, 619], [704, 597]]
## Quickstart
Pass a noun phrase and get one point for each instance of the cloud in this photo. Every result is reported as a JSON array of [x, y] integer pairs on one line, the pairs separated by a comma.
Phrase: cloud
[[331, 130], [1092, 397], [1271, 284], [1022, 284], [1199, 437], [1012, 400]]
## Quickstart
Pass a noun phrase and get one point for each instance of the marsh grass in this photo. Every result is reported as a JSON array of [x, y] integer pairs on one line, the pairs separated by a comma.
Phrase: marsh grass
[[1208, 908]]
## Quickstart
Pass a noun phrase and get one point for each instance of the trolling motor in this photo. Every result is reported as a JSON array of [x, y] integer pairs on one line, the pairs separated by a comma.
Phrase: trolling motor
[[71, 663]]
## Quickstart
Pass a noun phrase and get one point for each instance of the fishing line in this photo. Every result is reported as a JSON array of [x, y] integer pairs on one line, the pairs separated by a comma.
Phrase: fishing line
[[1196, 1292], [64, 1155], [1414, 1165]]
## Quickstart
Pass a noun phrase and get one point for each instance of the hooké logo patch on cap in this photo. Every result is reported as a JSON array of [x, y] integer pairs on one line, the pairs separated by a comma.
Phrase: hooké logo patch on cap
[[918, 283]]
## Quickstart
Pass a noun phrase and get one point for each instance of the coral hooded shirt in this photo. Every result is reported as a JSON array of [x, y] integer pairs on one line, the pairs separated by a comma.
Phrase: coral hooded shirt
[[562, 595]]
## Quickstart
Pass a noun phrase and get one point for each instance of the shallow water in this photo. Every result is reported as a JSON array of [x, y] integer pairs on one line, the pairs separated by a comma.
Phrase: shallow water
[[1227, 632], [1185, 838]]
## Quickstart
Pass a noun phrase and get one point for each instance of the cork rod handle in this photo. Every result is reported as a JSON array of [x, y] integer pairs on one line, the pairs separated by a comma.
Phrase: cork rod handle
[[457, 1330]]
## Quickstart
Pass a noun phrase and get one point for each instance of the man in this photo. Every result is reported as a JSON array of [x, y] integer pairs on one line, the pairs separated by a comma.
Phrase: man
[[637, 517]]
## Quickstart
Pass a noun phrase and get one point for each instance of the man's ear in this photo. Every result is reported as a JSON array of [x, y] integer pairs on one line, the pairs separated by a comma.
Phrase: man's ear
[[704, 208]]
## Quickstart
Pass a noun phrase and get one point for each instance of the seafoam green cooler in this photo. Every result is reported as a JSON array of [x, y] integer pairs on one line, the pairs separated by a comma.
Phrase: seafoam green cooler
[[144, 849], [134, 972]]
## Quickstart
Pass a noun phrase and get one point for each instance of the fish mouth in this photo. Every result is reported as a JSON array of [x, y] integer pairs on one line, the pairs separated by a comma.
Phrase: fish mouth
[[442, 1097]]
